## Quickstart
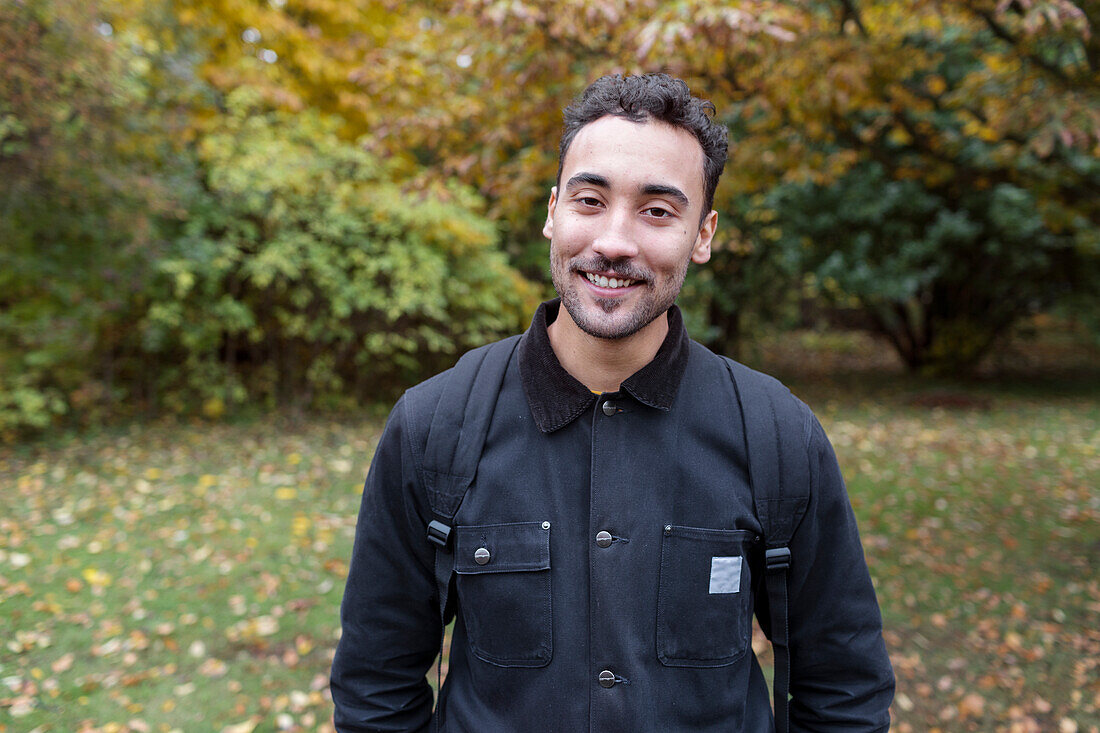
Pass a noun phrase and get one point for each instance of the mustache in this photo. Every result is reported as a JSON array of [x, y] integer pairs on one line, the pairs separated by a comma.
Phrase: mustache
[[599, 263]]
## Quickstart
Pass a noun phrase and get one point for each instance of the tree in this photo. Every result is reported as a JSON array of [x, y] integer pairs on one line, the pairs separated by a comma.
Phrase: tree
[[948, 99], [184, 224], [78, 193], [936, 169], [304, 274]]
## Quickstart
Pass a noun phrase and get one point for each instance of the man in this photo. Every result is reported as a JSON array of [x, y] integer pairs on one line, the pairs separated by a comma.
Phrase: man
[[607, 558]]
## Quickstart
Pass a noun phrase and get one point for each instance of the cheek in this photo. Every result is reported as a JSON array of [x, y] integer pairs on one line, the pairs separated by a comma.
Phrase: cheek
[[670, 258], [571, 235]]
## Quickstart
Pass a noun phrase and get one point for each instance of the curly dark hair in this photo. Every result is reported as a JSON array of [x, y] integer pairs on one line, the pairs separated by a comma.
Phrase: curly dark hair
[[651, 96]]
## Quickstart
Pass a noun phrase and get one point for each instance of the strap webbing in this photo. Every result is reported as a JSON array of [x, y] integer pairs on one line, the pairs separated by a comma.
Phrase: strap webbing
[[456, 437], [775, 583], [460, 424], [779, 475]]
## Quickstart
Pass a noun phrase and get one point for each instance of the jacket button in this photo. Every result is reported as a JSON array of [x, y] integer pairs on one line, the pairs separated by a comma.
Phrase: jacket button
[[603, 538], [609, 408], [481, 556], [607, 678]]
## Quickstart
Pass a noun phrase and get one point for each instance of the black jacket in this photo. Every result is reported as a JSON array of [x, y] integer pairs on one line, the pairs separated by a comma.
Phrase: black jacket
[[661, 604]]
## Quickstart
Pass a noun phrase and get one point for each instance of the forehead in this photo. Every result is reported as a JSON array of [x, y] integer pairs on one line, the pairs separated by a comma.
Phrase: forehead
[[631, 153]]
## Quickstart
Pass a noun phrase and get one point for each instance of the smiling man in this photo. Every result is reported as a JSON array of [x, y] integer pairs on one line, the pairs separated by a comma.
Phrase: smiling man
[[602, 504]]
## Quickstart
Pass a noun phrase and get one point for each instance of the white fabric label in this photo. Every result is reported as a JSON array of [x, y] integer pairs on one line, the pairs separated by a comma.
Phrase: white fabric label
[[725, 575]]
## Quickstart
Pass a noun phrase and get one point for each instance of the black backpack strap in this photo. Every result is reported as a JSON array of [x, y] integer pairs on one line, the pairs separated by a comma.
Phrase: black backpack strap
[[458, 429], [455, 440], [779, 474]]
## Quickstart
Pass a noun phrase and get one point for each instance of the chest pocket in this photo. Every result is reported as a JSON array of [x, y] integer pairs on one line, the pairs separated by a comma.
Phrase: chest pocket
[[504, 591], [704, 601]]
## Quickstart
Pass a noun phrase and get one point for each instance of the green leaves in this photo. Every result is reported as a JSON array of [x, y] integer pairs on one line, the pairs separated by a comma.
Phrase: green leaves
[[160, 251], [942, 277], [303, 254], [947, 101]]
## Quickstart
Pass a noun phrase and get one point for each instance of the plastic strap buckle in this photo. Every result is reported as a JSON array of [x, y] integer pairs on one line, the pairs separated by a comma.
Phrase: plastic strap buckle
[[777, 558], [439, 533]]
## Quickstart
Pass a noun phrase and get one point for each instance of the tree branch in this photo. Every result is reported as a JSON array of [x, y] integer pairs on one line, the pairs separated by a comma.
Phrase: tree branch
[[851, 12], [1005, 35]]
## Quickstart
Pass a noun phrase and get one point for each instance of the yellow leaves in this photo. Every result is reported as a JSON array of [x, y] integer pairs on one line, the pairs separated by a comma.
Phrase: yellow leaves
[[246, 726], [1013, 641], [205, 482], [975, 128], [96, 578], [253, 629], [300, 525], [771, 233], [285, 493], [213, 668], [213, 408]]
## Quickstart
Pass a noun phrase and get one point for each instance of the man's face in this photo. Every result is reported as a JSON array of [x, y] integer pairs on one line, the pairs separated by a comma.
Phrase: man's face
[[625, 223]]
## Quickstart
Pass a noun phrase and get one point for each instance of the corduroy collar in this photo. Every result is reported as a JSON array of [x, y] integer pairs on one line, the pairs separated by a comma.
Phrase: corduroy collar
[[556, 397]]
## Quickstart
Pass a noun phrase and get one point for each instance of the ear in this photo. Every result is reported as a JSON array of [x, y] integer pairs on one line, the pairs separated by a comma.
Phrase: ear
[[700, 251], [548, 227]]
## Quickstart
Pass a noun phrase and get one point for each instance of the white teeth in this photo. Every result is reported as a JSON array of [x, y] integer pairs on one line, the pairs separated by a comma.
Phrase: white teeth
[[605, 282]]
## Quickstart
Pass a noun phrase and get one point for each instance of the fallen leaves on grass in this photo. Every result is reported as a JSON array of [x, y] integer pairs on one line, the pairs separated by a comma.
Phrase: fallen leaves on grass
[[176, 578], [978, 527]]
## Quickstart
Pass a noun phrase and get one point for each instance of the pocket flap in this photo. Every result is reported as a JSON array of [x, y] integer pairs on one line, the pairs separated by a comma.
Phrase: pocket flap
[[502, 548]]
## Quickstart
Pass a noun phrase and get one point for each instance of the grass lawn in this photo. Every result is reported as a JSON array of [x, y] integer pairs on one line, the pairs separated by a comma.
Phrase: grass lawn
[[187, 576], [982, 531]]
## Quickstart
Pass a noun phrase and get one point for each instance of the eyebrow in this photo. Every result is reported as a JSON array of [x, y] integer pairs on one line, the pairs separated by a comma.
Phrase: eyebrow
[[657, 189], [648, 189], [590, 179]]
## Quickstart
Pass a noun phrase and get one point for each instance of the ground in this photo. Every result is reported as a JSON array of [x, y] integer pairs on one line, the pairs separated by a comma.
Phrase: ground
[[186, 576]]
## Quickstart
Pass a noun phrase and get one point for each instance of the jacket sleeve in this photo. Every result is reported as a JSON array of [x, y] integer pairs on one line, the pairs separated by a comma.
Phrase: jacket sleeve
[[841, 678], [389, 615]]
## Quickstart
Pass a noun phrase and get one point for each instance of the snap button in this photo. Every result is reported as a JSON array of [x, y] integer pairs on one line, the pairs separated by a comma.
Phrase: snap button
[[603, 538], [607, 678], [609, 408], [481, 556], [546, 525]]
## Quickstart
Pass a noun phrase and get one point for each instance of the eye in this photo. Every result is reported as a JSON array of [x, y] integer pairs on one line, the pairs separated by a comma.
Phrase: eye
[[589, 201], [657, 212]]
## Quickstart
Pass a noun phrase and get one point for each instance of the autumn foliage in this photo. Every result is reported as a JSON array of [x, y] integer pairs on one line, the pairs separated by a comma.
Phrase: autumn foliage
[[932, 164]]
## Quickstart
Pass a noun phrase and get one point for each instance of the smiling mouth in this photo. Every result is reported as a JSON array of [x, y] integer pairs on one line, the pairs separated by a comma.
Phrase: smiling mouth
[[608, 282]]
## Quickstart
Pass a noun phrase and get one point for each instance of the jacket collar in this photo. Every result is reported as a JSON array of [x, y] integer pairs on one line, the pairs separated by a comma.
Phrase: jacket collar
[[556, 397]]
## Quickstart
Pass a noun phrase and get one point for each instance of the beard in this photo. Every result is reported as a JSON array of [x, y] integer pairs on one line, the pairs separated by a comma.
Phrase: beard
[[614, 318]]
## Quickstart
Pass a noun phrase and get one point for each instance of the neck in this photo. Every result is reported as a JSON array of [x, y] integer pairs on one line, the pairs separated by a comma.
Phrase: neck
[[603, 364]]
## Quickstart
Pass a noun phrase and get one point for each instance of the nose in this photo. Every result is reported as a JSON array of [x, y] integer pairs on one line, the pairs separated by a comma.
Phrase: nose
[[616, 241]]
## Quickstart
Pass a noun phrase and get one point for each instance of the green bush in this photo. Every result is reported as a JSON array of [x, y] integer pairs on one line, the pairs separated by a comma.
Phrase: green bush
[[270, 262], [76, 209], [941, 278], [304, 275]]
